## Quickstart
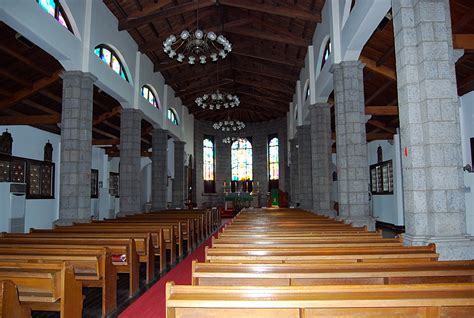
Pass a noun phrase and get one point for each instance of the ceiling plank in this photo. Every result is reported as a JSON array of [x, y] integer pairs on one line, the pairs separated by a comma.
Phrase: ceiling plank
[[27, 92], [130, 23], [381, 125], [271, 87], [463, 41], [269, 58], [381, 110], [274, 37], [379, 91], [17, 79], [268, 73], [382, 70], [30, 120], [285, 11], [106, 142], [30, 62], [107, 115]]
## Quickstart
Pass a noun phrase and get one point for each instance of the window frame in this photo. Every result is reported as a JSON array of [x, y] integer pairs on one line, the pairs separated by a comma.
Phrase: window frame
[[328, 50], [152, 92], [113, 54], [58, 9], [172, 116], [249, 140], [275, 182]]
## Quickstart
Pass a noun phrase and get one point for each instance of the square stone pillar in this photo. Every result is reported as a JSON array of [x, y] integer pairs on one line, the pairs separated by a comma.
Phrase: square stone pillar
[[321, 150], [159, 169], [351, 144], [179, 175], [130, 161], [429, 128], [305, 194], [294, 174], [76, 148]]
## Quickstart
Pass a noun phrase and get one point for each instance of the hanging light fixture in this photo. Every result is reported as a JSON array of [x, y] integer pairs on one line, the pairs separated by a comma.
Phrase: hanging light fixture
[[197, 46], [229, 125], [229, 140]]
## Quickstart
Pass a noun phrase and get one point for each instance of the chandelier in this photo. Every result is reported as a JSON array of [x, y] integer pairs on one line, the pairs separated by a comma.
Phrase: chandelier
[[198, 45], [217, 100], [229, 140], [229, 125]]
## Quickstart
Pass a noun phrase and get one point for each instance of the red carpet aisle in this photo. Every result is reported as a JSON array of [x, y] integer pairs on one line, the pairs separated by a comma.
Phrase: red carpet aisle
[[152, 304]]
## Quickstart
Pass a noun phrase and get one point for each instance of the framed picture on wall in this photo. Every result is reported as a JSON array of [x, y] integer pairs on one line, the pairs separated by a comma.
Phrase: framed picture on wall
[[381, 178]]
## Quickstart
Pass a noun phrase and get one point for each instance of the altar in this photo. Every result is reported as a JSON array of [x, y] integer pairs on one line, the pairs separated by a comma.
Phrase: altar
[[239, 199]]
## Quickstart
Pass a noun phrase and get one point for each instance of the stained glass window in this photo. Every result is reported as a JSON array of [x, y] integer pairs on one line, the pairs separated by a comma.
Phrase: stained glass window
[[308, 92], [209, 164], [109, 57], [241, 153], [148, 94], [327, 53], [56, 11], [172, 116], [273, 162]]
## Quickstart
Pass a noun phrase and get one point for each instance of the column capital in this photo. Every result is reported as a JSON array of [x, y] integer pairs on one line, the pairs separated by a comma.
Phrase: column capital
[[179, 142], [345, 64], [319, 105], [72, 74]]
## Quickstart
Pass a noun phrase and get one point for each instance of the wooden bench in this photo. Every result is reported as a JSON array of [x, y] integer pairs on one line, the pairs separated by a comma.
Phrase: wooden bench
[[92, 266], [171, 237], [321, 255], [295, 242], [118, 247], [10, 306], [47, 287], [336, 274], [388, 301], [143, 239], [299, 235]]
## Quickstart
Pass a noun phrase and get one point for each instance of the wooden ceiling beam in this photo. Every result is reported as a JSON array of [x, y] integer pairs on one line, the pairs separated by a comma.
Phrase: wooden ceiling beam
[[379, 91], [27, 92], [269, 58], [275, 87], [204, 88], [268, 98], [107, 115], [150, 9], [130, 23], [106, 142], [274, 37], [284, 11], [30, 62], [463, 41], [194, 76], [379, 136], [15, 78], [268, 73], [30, 120], [381, 110], [381, 125], [382, 70]]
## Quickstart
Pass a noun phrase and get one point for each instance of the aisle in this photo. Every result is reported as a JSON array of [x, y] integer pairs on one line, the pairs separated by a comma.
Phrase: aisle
[[152, 304]]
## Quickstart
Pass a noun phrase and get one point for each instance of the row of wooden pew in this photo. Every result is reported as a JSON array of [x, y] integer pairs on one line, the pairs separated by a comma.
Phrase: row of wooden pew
[[50, 267], [292, 263]]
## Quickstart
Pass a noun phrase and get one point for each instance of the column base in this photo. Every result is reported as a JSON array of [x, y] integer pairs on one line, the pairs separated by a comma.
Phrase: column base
[[361, 221], [448, 248], [62, 222]]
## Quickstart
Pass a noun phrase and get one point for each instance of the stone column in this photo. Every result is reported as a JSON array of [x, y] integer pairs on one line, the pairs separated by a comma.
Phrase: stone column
[[429, 128], [294, 173], [305, 194], [76, 147], [321, 150], [159, 169], [130, 157], [178, 182], [351, 144]]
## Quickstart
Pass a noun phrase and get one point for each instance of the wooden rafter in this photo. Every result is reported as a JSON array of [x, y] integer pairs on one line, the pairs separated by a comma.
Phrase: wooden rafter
[[267, 73], [285, 11], [106, 142], [30, 62], [30, 120], [463, 41], [382, 70], [129, 23], [27, 92], [381, 110], [272, 87], [381, 125], [269, 36], [107, 115], [269, 58], [15, 78]]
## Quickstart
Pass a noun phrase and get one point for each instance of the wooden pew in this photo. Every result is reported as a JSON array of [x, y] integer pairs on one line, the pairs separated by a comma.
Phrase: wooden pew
[[321, 255], [10, 306], [295, 242], [92, 266], [171, 237], [117, 247], [143, 240], [47, 287], [299, 235], [388, 301], [335, 274]]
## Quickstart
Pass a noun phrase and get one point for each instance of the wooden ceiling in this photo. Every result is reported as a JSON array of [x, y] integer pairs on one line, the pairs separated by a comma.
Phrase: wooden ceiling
[[269, 37], [31, 94], [380, 76]]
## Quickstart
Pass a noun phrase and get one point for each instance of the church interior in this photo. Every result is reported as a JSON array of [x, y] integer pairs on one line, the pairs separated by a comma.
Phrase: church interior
[[236, 158]]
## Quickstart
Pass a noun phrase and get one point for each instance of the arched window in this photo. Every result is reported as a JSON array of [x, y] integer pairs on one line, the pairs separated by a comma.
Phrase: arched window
[[241, 152], [307, 92], [296, 112], [209, 165], [56, 11], [326, 53], [273, 162], [172, 117], [110, 58], [148, 94]]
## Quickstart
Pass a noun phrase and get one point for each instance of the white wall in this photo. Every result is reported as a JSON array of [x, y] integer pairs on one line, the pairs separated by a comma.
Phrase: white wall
[[467, 132]]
